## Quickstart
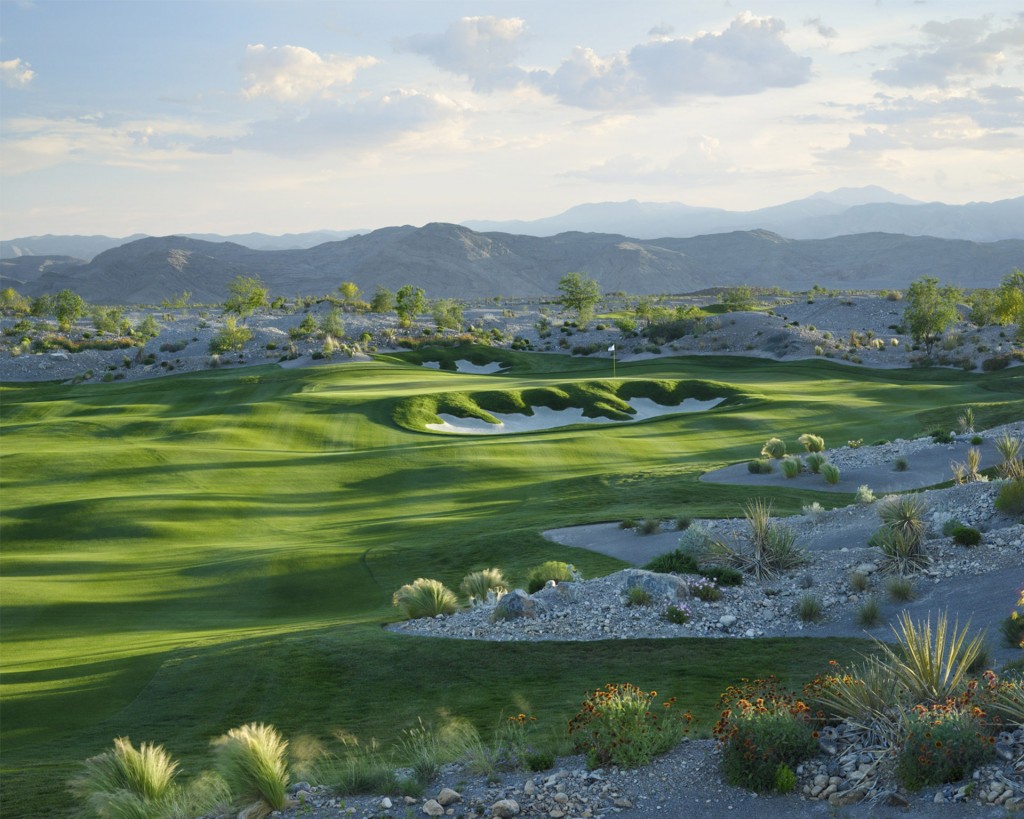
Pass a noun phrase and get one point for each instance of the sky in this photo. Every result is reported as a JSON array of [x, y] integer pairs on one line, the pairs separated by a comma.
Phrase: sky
[[149, 116]]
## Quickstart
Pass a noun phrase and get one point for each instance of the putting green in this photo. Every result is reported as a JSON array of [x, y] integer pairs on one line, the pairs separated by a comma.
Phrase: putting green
[[186, 554]]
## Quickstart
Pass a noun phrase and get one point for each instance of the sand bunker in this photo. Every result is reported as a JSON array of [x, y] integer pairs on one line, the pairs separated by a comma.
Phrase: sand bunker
[[464, 366], [546, 418]]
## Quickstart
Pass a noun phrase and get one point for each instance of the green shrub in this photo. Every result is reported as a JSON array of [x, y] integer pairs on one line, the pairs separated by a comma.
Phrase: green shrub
[[864, 494], [620, 725], [674, 562], [815, 461], [425, 598], [759, 466], [812, 443], [941, 436], [126, 782], [774, 448], [966, 536], [649, 526], [869, 613], [358, 770], [900, 589], [678, 614], [252, 761], [901, 464], [696, 541], [944, 744], [785, 779], [1010, 500], [1012, 629], [476, 585], [636, 596], [627, 523], [683, 523], [791, 467], [555, 570], [723, 575], [830, 473], [231, 337], [759, 730], [809, 609], [706, 589]]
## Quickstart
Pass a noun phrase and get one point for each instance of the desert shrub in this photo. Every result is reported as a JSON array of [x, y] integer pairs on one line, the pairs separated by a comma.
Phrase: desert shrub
[[706, 589], [901, 464], [627, 523], [723, 575], [864, 494], [774, 448], [815, 461], [791, 467], [869, 613], [359, 769], [649, 526], [944, 744], [950, 526], [126, 781], [900, 589], [977, 440], [678, 614], [231, 337], [1010, 500], [759, 730], [683, 523], [696, 541], [941, 436], [759, 466], [966, 536], [830, 473], [617, 725], [555, 570], [858, 581], [425, 598], [812, 443], [814, 510], [809, 609], [771, 547], [636, 596], [476, 585], [252, 761], [674, 562]]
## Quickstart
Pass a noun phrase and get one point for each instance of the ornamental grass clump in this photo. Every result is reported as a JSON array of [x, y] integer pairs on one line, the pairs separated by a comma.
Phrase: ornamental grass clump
[[759, 466], [812, 443], [126, 782], [774, 448], [809, 608], [815, 461], [622, 725], [555, 570], [830, 472], [425, 598], [869, 613], [760, 729], [791, 467], [251, 759], [1010, 500], [478, 585]]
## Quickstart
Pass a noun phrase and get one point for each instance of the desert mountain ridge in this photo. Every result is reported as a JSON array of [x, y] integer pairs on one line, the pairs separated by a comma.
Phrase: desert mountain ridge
[[452, 260]]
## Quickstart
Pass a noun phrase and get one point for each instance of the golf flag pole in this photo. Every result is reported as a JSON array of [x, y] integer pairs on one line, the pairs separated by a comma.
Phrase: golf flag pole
[[612, 351]]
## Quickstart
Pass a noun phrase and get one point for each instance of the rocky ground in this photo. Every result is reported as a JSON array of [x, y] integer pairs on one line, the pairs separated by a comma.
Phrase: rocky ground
[[858, 329]]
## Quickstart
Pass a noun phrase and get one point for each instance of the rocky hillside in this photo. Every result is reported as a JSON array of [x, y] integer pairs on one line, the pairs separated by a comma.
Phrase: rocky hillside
[[451, 260]]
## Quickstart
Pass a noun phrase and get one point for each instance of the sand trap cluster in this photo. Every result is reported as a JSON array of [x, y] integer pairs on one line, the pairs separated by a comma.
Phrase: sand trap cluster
[[464, 366], [547, 418]]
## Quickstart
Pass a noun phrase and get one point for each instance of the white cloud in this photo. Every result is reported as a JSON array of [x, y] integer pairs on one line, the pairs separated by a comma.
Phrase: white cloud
[[481, 48], [956, 49], [327, 125], [16, 73], [824, 30], [292, 73]]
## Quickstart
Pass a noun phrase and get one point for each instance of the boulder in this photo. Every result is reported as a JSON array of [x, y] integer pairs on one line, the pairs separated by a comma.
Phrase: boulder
[[433, 808], [515, 605], [658, 586], [448, 797], [504, 808], [556, 596]]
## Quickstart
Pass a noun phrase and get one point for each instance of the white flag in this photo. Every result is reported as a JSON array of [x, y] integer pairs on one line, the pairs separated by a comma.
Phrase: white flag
[[611, 349]]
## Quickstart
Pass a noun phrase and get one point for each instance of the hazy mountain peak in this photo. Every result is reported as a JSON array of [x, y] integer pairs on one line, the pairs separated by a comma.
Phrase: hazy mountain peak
[[866, 195]]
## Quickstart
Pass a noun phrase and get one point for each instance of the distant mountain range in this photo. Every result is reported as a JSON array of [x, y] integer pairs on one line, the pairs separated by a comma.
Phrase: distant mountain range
[[823, 215], [452, 260]]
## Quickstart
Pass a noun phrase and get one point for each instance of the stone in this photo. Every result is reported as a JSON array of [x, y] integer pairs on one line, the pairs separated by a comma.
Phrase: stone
[[386, 803], [561, 797], [504, 808], [557, 597], [727, 620], [433, 808], [894, 799], [529, 788], [515, 605], [854, 796], [448, 797], [658, 586], [622, 802]]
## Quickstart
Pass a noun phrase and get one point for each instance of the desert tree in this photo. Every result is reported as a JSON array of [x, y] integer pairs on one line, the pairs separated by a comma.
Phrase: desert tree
[[246, 295], [580, 293], [1009, 307], [409, 303], [383, 300], [447, 314], [930, 310], [68, 307]]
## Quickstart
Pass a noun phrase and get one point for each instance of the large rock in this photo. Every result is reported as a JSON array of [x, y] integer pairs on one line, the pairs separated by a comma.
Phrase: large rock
[[515, 605], [556, 596], [658, 586], [505, 808]]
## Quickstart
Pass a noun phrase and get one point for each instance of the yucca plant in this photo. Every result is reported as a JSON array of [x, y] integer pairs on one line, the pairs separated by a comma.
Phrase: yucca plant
[[477, 585], [252, 761], [904, 514], [772, 546], [812, 443], [815, 461], [931, 666], [126, 782], [901, 554], [1010, 448], [969, 470], [425, 598], [966, 421]]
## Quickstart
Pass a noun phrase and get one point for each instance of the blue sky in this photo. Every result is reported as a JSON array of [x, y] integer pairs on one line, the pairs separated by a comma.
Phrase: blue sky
[[161, 117]]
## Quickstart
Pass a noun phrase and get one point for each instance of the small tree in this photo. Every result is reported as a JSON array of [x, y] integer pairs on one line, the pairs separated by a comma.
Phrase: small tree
[[448, 314], [43, 305], [12, 303], [246, 295], [383, 300], [349, 292], [68, 306], [739, 298], [409, 303], [581, 294], [1009, 308], [331, 324], [930, 310]]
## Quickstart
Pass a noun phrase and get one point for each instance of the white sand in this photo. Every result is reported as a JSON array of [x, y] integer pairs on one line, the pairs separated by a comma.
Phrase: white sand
[[464, 366], [546, 418]]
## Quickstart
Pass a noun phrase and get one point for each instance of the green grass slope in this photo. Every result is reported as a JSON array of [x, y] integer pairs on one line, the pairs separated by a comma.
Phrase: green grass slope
[[187, 554]]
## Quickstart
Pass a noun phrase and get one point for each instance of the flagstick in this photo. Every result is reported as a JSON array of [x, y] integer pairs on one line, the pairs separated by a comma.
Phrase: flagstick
[[613, 362]]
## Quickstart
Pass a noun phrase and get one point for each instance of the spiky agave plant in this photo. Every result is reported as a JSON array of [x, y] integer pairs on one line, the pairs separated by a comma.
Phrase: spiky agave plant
[[252, 761]]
